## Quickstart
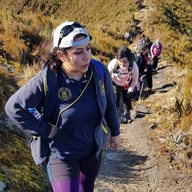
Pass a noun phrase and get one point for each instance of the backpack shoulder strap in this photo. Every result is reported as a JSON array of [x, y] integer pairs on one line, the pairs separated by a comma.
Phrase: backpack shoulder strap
[[45, 72], [139, 59], [130, 66], [98, 67], [131, 62], [50, 92]]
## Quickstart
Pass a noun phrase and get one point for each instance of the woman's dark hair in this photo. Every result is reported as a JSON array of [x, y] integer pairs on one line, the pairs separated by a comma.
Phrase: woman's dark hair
[[124, 52], [53, 62]]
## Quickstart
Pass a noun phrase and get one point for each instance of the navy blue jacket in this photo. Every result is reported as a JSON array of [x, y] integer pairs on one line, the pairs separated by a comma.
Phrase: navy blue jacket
[[32, 94]]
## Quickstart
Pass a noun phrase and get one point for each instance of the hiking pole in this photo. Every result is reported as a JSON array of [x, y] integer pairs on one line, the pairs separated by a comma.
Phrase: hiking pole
[[142, 85], [139, 99]]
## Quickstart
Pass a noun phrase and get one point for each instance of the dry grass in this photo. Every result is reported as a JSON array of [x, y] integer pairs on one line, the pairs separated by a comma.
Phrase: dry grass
[[25, 29], [171, 23], [174, 133], [17, 168], [28, 72]]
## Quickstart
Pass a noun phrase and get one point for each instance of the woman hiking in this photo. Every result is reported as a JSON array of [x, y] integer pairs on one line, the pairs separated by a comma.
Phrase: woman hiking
[[124, 73], [78, 99]]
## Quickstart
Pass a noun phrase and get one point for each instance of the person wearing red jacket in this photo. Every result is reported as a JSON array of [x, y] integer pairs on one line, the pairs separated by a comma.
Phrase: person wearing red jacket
[[155, 51]]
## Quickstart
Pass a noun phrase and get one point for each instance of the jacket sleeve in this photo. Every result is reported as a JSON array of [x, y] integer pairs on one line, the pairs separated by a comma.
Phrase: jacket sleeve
[[111, 113], [29, 95]]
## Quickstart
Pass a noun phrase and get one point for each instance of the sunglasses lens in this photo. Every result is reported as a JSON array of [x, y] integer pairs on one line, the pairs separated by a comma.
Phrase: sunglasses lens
[[76, 24], [66, 30]]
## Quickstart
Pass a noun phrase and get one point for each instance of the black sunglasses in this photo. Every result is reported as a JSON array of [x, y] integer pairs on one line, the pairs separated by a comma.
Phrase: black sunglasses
[[68, 29]]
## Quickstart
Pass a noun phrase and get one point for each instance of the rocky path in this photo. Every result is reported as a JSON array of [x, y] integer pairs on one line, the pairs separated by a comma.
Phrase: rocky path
[[139, 166]]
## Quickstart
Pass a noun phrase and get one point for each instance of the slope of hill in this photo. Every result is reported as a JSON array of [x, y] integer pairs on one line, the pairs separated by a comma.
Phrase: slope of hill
[[154, 148], [25, 29], [146, 163]]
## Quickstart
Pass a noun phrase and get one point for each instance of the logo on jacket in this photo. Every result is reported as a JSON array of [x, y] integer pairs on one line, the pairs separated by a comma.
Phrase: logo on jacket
[[64, 94], [102, 87]]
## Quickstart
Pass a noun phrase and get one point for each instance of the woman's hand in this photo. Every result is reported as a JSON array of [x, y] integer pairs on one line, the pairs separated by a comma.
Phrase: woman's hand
[[115, 142], [130, 90]]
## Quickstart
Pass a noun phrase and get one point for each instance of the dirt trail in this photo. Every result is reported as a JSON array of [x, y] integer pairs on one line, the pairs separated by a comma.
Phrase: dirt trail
[[139, 166]]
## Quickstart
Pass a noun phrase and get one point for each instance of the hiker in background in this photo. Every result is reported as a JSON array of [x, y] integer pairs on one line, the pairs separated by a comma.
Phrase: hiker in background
[[156, 50], [140, 4], [74, 131], [141, 41], [143, 61], [124, 73], [149, 43], [129, 36]]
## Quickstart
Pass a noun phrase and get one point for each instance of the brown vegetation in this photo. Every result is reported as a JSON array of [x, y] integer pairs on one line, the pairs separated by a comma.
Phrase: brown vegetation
[[25, 31]]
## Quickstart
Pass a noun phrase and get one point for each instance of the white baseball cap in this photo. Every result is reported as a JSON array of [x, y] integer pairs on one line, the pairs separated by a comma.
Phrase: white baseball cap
[[65, 33]]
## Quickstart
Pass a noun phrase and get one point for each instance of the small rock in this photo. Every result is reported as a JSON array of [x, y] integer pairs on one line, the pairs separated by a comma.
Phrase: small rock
[[103, 190], [189, 155], [180, 138], [113, 156], [152, 126]]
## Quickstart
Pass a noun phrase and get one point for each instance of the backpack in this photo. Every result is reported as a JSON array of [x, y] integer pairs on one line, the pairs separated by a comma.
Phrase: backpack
[[141, 63], [141, 45], [96, 65], [40, 146], [138, 60], [98, 68]]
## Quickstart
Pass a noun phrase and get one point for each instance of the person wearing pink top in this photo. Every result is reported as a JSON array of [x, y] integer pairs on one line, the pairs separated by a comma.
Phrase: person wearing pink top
[[124, 73], [156, 50]]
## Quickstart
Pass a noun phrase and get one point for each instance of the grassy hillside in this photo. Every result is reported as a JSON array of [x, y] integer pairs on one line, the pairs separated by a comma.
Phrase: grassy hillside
[[106, 22], [25, 31], [17, 170]]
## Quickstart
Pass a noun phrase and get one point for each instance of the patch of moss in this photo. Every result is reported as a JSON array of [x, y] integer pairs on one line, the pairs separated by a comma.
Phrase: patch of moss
[[17, 168]]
